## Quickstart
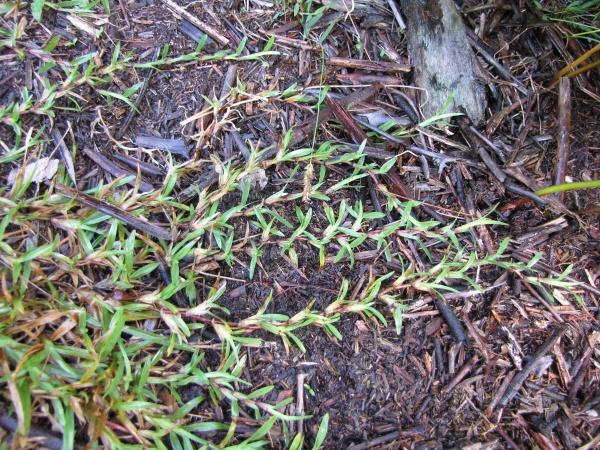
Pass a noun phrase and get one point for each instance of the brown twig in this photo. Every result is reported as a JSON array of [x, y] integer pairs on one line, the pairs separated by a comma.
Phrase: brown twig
[[377, 441], [462, 373], [344, 117], [509, 441], [307, 127], [538, 295], [500, 393], [564, 128], [144, 167], [473, 138], [499, 117], [451, 319], [578, 380], [485, 52], [229, 80], [360, 78], [206, 28], [520, 377], [373, 66], [117, 213], [115, 170], [64, 153], [442, 158], [125, 13]]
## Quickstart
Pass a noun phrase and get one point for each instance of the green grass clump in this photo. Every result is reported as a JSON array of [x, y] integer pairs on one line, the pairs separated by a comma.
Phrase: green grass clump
[[582, 16]]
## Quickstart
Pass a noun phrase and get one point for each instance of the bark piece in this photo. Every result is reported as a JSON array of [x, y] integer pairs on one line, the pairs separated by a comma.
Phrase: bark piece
[[442, 59]]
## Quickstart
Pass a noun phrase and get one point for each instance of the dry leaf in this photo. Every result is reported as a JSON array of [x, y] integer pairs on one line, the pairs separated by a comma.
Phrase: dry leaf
[[257, 179], [41, 170]]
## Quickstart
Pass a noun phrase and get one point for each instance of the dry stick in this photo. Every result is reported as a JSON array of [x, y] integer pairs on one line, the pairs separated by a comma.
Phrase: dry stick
[[480, 343], [138, 100], [524, 193], [541, 299], [300, 400], [442, 139], [578, 380], [240, 144], [472, 139], [485, 236], [125, 14], [397, 14], [564, 127], [397, 187], [500, 393], [238, 36], [377, 441], [520, 377], [502, 175], [451, 319], [359, 136], [443, 159], [117, 213], [115, 170], [208, 29], [576, 367], [499, 117], [145, 168], [43, 437], [176, 146], [364, 64], [483, 50], [511, 443], [359, 78], [498, 173], [406, 105], [344, 117], [439, 358], [296, 43], [459, 295], [371, 152], [307, 127], [229, 80], [468, 206], [491, 164], [527, 125], [64, 153], [192, 32], [462, 373], [487, 142]]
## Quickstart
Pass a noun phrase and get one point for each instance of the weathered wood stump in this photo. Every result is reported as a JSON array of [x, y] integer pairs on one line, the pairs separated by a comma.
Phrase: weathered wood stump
[[443, 62]]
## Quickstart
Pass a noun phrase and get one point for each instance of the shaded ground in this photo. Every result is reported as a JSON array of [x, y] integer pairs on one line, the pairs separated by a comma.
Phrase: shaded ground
[[417, 389]]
